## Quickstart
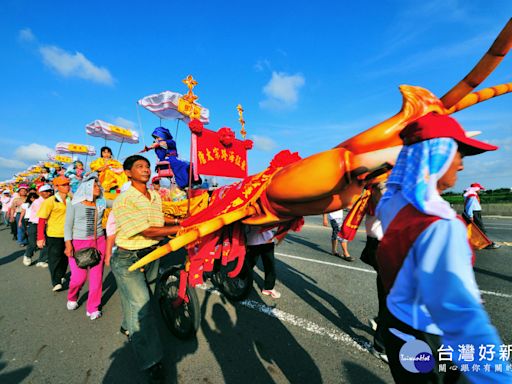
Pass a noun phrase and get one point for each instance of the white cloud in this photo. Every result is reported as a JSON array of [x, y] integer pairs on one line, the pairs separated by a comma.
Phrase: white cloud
[[68, 64], [74, 65], [282, 90], [261, 65], [125, 123], [12, 163], [26, 35], [263, 143], [32, 152]]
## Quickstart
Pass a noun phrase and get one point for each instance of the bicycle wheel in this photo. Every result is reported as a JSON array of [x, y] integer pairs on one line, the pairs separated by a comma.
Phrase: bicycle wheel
[[182, 320], [238, 287]]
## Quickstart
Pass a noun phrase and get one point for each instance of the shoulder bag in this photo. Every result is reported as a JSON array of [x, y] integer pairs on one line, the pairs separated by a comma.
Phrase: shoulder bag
[[89, 257]]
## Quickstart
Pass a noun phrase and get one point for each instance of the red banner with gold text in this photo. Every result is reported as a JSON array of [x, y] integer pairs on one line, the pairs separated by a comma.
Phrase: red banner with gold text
[[220, 154]]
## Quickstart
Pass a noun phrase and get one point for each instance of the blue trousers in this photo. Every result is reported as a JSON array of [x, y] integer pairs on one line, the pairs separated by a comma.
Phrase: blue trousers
[[22, 230], [139, 317], [5, 218]]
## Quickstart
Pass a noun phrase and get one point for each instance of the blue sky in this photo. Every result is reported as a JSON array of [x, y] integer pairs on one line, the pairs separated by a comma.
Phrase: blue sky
[[308, 74]]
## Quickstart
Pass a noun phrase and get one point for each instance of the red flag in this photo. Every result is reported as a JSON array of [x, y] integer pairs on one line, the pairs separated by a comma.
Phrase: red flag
[[220, 153], [355, 216]]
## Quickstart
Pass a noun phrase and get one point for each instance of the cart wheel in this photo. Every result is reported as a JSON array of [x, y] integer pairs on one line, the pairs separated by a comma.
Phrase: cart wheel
[[238, 287], [182, 320]]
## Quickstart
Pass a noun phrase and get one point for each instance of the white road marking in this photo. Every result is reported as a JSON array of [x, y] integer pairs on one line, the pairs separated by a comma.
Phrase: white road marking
[[326, 263], [492, 293], [499, 294], [309, 326], [285, 317]]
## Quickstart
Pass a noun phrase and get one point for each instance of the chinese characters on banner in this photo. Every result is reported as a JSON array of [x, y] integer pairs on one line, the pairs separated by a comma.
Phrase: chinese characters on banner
[[63, 159], [220, 154], [467, 358]]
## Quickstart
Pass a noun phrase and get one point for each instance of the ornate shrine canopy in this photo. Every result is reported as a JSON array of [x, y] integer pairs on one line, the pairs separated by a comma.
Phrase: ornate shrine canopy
[[169, 105]]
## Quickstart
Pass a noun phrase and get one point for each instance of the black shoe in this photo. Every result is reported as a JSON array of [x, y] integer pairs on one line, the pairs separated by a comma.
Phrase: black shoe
[[493, 246], [156, 374]]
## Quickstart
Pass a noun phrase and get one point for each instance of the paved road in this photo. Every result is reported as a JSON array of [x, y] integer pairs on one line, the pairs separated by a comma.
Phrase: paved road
[[317, 332]]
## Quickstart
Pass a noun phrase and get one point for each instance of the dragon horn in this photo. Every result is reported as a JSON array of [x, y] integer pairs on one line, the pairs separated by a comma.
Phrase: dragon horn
[[482, 95], [482, 69], [194, 234]]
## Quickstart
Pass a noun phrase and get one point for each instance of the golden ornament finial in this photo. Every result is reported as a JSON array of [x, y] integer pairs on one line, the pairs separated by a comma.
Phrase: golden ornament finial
[[240, 110], [190, 83]]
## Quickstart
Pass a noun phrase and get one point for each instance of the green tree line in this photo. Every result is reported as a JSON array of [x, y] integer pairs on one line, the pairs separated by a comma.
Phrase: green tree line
[[491, 196]]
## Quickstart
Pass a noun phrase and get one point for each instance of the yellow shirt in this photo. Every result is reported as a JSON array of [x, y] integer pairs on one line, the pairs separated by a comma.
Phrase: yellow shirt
[[135, 213], [100, 162], [110, 177], [55, 212]]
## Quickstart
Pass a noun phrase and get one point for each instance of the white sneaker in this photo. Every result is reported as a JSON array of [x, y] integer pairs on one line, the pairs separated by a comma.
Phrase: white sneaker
[[271, 292], [42, 264], [373, 324], [95, 315], [27, 261], [57, 287], [380, 355], [71, 305]]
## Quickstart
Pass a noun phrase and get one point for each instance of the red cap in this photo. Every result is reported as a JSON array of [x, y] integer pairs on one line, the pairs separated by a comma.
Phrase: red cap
[[156, 178], [434, 125], [477, 185]]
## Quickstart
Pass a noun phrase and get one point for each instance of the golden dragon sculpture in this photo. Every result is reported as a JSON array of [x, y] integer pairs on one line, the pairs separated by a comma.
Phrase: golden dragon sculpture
[[292, 187]]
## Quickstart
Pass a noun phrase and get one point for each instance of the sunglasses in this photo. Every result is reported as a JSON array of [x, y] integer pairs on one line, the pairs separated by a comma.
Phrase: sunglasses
[[64, 185]]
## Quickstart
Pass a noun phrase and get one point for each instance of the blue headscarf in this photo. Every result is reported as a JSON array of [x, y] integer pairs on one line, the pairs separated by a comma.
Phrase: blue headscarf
[[167, 147], [418, 168], [163, 133]]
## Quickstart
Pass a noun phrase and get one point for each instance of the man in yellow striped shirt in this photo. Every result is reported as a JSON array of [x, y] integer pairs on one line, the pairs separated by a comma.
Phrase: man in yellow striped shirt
[[140, 225]]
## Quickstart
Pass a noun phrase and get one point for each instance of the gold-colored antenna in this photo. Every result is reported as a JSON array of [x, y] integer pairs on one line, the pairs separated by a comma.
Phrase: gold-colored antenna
[[482, 69], [240, 110]]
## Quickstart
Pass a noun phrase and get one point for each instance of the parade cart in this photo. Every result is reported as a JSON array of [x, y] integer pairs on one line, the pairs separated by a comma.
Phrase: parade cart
[[213, 154]]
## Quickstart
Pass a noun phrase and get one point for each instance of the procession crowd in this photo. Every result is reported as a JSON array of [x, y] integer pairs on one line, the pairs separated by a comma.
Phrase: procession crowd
[[418, 246], [64, 215]]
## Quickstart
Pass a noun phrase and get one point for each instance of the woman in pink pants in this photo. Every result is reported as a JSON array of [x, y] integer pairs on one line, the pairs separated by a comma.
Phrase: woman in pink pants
[[82, 216]]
